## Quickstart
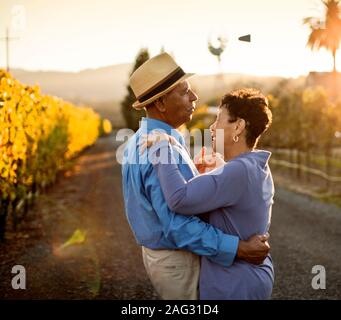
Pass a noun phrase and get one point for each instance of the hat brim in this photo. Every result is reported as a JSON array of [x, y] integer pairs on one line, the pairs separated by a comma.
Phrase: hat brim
[[140, 105]]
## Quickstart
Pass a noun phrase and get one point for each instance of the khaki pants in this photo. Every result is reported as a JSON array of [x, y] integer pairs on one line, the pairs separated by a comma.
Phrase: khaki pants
[[173, 273]]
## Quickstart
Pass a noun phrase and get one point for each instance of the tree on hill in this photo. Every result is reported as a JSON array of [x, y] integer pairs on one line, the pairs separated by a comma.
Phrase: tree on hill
[[132, 116]]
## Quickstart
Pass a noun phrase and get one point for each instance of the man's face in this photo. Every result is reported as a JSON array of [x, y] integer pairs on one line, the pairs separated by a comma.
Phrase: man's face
[[180, 104]]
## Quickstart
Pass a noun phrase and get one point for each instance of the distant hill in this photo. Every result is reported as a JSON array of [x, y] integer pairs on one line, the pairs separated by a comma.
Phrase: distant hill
[[330, 81], [104, 88], [98, 85], [101, 88], [213, 86]]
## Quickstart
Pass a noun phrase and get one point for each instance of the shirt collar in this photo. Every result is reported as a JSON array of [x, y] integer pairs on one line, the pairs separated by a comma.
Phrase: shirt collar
[[150, 124]]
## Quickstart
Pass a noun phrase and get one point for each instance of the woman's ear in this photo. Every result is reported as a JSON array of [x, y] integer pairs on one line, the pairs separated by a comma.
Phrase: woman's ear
[[240, 126]]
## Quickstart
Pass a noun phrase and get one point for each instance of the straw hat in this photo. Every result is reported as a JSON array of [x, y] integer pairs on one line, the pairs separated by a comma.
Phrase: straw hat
[[154, 78]]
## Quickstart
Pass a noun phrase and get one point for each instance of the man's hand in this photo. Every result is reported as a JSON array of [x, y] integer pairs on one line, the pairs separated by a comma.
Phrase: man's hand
[[255, 249]]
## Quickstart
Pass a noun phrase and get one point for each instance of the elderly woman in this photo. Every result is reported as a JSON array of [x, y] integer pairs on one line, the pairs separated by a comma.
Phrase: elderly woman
[[238, 193]]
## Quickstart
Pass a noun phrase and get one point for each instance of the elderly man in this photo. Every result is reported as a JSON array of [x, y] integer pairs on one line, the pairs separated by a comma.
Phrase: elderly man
[[172, 243]]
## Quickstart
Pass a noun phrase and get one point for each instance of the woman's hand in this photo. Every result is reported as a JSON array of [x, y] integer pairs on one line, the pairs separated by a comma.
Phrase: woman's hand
[[147, 140], [207, 162]]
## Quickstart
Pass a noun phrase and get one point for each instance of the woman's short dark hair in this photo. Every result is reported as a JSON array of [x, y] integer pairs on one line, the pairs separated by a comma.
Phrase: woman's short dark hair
[[252, 106]]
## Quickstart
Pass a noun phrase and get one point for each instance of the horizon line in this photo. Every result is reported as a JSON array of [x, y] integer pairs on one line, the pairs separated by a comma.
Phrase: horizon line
[[276, 75]]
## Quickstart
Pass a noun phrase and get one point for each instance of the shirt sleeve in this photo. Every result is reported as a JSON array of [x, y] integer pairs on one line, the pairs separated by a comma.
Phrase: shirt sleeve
[[189, 232], [219, 188]]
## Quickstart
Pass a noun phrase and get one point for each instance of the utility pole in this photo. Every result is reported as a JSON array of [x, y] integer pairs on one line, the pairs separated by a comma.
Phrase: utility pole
[[7, 38]]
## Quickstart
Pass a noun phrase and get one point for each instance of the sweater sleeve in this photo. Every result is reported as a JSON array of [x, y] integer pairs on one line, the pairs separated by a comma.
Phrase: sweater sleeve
[[219, 188]]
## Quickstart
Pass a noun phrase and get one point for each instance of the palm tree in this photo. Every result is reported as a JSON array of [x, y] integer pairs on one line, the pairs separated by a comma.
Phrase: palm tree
[[326, 33]]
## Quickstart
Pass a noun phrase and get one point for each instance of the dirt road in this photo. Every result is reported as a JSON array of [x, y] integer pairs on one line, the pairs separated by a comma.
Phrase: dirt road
[[108, 264]]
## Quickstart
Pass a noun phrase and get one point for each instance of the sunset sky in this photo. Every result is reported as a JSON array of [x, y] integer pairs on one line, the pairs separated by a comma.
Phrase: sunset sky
[[77, 34]]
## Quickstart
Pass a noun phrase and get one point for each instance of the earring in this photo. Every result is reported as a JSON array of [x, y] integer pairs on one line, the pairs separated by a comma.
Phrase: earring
[[235, 139]]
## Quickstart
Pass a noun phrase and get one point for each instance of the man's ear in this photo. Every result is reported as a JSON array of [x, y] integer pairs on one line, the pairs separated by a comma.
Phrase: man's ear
[[160, 105]]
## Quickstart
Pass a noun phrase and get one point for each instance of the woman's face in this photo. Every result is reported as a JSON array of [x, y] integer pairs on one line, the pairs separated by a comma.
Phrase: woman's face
[[222, 129]]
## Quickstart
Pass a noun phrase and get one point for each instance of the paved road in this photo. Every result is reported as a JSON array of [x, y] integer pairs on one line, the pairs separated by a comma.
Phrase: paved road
[[305, 233], [109, 265]]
